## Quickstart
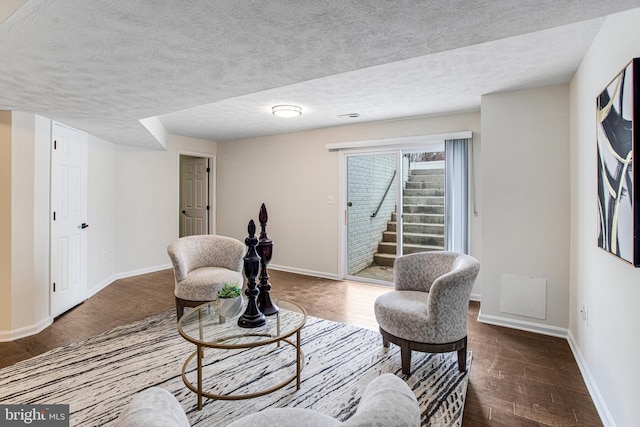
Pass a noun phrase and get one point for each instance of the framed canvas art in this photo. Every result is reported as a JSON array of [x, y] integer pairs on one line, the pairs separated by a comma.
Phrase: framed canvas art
[[618, 212]]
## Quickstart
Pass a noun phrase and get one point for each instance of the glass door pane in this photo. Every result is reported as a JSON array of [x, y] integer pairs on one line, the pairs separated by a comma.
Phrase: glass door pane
[[371, 215], [423, 199]]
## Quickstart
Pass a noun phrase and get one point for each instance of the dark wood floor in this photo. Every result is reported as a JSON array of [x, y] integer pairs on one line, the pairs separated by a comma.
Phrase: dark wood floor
[[517, 378]]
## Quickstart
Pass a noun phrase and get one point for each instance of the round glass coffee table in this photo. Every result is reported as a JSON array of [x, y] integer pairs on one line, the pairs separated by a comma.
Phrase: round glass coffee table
[[205, 328]]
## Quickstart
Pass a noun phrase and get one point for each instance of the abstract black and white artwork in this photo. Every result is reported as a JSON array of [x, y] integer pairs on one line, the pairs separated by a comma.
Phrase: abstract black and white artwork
[[618, 219]]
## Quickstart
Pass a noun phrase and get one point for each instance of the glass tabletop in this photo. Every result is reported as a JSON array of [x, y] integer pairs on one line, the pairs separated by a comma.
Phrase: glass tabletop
[[204, 326]]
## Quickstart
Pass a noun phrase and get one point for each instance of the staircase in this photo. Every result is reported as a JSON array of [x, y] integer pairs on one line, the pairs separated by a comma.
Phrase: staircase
[[423, 207]]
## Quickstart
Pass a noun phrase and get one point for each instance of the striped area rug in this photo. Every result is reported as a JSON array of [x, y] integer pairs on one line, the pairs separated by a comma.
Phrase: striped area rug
[[99, 376]]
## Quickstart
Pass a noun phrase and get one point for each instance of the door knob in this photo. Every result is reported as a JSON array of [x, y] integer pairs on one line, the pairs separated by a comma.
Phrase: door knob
[[349, 204], [84, 225], [184, 212]]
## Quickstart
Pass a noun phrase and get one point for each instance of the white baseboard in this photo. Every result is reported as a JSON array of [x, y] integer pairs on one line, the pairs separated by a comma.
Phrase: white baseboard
[[26, 331], [304, 272], [109, 280], [594, 392], [538, 328], [476, 297]]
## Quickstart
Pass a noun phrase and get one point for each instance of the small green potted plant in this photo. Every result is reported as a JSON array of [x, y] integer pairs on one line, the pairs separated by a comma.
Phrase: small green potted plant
[[229, 301]]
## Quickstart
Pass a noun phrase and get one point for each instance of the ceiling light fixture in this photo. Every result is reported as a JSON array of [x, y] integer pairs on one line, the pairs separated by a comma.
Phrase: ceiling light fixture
[[286, 110], [349, 116]]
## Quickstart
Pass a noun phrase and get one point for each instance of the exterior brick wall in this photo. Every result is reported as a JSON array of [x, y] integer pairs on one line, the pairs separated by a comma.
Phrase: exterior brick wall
[[368, 178]]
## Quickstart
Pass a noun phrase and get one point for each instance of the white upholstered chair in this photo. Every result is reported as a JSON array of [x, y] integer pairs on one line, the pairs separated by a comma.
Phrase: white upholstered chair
[[428, 309], [202, 264], [387, 401]]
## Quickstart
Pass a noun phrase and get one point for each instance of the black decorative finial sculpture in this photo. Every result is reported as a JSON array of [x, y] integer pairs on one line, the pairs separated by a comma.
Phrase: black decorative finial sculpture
[[265, 250], [252, 316]]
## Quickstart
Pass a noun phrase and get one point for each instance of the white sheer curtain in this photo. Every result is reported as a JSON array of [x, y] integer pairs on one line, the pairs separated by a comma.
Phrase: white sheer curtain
[[456, 195]]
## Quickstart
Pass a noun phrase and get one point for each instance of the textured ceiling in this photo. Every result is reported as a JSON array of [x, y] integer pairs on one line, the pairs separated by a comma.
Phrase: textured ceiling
[[212, 69]]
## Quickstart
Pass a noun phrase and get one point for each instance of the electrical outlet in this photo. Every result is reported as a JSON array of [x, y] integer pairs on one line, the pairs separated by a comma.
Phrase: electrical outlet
[[331, 200], [104, 254], [585, 314]]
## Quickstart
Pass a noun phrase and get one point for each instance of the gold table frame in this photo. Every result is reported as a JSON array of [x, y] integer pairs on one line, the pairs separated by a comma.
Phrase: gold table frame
[[205, 316]]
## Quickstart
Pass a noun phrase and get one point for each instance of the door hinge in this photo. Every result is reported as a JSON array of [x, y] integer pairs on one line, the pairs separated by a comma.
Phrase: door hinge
[[208, 169], [54, 286], [207, 207], [54, 216], [55, 145]]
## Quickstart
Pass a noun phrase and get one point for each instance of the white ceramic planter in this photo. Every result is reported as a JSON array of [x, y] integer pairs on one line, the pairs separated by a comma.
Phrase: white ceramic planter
[[229, 307]]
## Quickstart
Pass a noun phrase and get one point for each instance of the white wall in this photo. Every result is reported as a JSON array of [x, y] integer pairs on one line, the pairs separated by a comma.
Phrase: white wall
[[29, 282], [525, 174], [132, 207], [147, 202], [5, 220], [294, 173], [101, 213], [42, 223], [609, 344], [132, 215]]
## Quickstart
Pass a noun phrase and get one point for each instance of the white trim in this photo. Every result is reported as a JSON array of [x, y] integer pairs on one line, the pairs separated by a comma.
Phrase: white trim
[[304, 272], [109, 280], [407, 140], [141, 271], [6, 336], [342, 216], [371, 281], [522, 325], [594, 392], [592, 387], [476, 297]]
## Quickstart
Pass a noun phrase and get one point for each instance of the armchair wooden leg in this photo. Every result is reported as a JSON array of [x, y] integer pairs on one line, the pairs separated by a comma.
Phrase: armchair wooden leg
[[179, 310], [385, 339], [462, 357], [405, 356]]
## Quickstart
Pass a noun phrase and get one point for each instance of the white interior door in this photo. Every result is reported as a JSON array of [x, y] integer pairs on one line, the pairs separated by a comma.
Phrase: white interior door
[[68, 218], [194, 195]]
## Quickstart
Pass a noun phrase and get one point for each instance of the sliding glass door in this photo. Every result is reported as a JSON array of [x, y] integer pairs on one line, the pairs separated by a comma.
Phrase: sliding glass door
[[371, 201], [403, 201]]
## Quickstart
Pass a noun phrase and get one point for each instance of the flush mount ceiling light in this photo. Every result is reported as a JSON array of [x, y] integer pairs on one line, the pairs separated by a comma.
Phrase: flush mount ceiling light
[[349, 116], [286, 110]]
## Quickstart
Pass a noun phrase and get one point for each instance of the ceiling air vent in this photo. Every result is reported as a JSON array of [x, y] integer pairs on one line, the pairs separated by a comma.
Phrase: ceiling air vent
[[349, 116]]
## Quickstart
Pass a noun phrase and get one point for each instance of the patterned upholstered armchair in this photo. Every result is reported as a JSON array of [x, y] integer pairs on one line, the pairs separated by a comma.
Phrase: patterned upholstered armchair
[[202, 265], [427, 311]]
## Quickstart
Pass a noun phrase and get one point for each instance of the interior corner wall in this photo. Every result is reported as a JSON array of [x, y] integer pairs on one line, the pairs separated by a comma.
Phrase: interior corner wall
[[102, 210], [525, 176], [41, 222], [293, 174], [29, 204], [608, 340], [147, 201], [5, 220]]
